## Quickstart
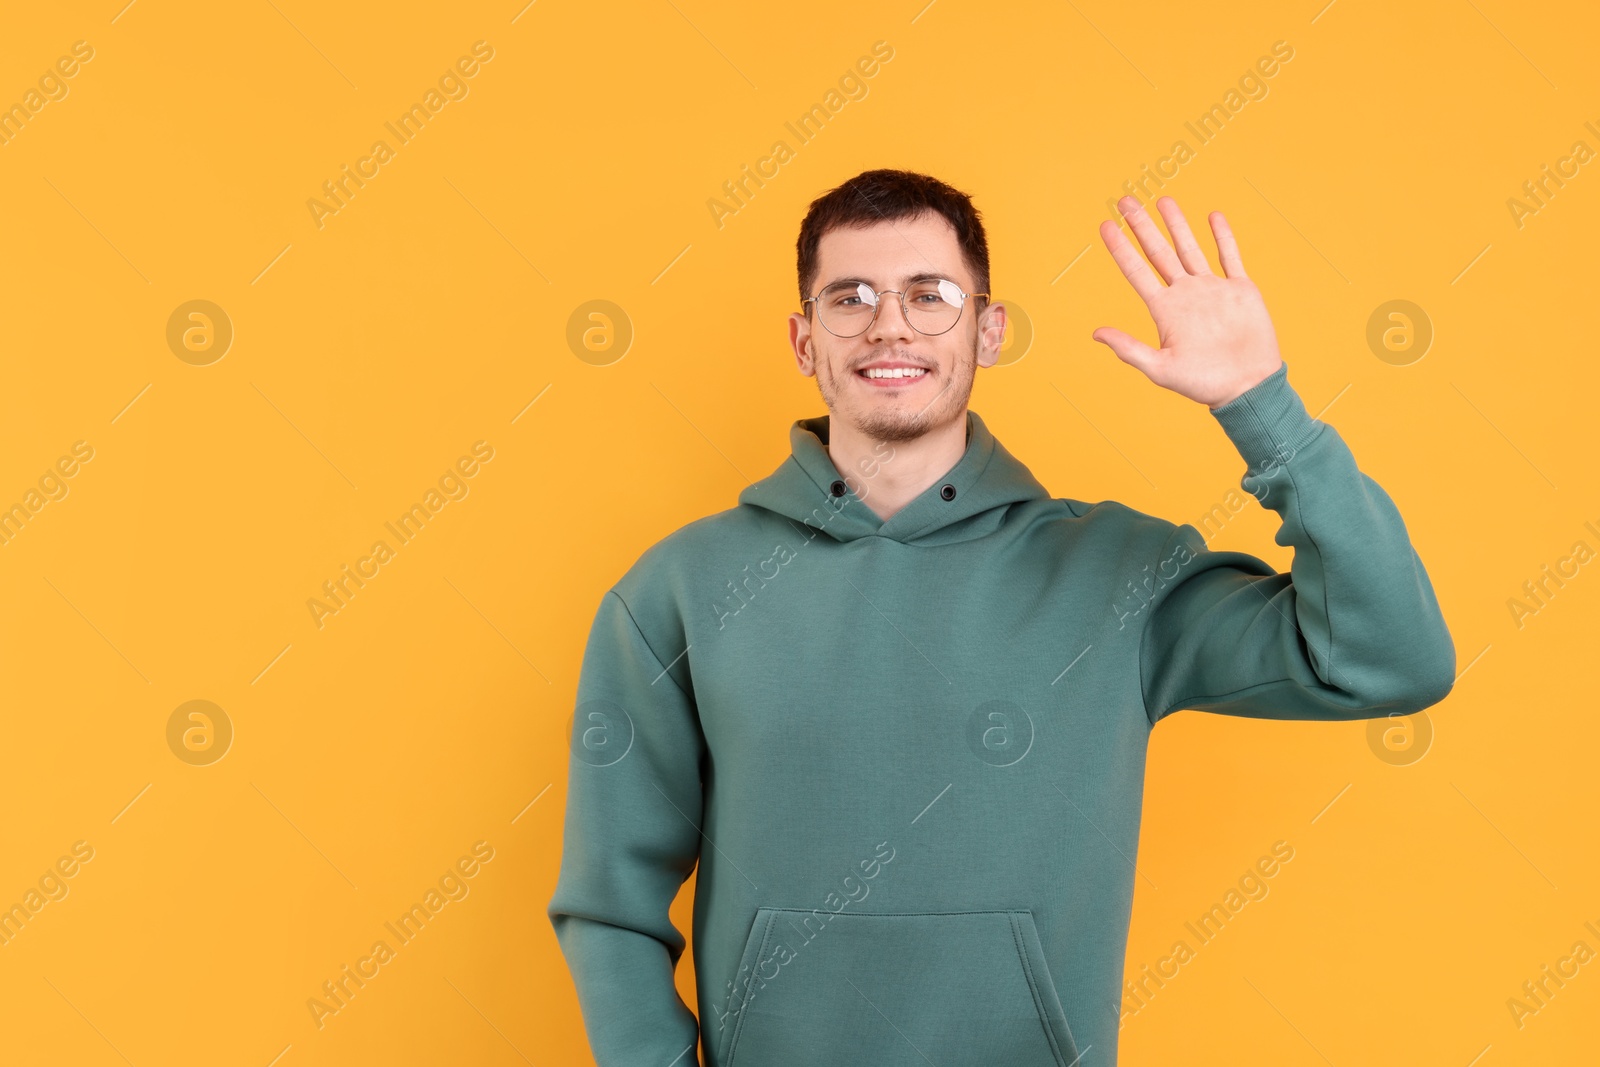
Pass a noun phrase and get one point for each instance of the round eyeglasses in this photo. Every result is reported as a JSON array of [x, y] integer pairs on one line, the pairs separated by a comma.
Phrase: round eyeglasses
[[931, 306]]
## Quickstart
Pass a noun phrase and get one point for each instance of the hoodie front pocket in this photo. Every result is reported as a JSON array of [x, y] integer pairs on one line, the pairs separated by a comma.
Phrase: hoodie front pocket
[[955, 989]]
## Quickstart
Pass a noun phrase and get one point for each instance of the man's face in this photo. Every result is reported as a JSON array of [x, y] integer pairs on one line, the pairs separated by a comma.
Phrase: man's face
[[885, 255]]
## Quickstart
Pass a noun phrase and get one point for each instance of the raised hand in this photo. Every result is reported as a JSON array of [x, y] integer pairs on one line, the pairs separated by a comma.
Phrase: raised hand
[[1216, 337]]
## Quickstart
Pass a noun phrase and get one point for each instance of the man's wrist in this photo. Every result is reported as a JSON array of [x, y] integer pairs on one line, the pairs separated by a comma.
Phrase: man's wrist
[[1268, 422]]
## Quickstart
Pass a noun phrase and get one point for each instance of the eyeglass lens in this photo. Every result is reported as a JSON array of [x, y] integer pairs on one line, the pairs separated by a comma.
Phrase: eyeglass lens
[[931, 306]]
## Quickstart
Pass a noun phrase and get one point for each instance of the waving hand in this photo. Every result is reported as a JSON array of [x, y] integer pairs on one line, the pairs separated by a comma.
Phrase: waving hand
[[1215, 334]]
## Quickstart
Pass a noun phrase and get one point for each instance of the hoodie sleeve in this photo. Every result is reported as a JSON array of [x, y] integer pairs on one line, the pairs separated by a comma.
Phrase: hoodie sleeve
[[631, 839], [1354, 631]]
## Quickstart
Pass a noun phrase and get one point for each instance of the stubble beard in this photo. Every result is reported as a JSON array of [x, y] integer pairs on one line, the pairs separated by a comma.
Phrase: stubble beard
[[903, 419]]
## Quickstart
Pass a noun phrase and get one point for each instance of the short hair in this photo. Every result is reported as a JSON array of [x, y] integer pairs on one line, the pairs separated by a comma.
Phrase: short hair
[[885, 196]]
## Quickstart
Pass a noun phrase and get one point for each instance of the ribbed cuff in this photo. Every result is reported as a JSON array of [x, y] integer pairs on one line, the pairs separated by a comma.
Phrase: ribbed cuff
[[1267, 423]]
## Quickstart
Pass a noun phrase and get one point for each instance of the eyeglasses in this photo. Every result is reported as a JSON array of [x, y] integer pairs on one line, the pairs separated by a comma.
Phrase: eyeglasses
[[931, 306]]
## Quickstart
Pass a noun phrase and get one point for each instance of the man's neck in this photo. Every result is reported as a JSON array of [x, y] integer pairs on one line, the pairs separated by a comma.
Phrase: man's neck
[[889, 476]]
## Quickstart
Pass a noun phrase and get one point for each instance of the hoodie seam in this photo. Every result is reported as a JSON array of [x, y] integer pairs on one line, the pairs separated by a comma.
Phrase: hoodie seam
[[646, 642], [1144, 696], [1267, 427]]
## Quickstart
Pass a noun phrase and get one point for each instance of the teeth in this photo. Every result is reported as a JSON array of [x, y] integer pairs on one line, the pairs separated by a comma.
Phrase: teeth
[[897, 372]]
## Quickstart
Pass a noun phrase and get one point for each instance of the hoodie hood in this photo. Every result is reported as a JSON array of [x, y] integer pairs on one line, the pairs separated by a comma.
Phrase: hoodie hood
[[971, 499]]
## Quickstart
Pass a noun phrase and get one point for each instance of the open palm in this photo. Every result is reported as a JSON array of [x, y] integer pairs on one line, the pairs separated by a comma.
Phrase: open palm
[[1215, 334]]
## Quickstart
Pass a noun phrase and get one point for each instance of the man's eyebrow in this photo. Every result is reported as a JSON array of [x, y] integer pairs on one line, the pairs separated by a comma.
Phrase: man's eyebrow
[[924, 276]]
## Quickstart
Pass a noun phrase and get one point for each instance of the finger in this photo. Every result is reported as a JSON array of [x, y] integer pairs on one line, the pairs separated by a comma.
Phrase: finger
[[1134, 268], [1130, 350], [1155, 246], [1189, 251], [1227, 247]]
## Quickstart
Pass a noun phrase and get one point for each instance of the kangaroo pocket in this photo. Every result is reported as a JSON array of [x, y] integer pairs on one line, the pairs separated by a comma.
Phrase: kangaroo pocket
[[956, 989]]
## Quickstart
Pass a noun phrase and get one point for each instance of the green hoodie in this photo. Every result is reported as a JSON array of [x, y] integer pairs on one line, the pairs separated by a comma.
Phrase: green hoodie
[[908, 755]]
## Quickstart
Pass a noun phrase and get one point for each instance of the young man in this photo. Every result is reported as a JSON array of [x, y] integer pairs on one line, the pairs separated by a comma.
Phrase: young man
[[896, 702]]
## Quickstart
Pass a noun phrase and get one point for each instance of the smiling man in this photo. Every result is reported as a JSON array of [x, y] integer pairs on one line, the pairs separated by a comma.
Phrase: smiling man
[[909, 762]]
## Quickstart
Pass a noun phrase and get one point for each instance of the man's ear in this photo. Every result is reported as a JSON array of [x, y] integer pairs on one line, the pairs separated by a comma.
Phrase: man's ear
[[800, 341], [991, 334]]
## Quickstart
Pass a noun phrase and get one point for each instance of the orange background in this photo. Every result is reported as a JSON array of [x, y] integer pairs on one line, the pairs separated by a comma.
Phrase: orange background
[[369, 353]]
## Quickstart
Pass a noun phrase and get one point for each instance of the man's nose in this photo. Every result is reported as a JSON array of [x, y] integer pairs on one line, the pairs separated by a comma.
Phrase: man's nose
[[891, 320]]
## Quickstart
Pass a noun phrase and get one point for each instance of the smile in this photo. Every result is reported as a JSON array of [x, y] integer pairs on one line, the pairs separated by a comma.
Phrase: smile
[[897, 377]]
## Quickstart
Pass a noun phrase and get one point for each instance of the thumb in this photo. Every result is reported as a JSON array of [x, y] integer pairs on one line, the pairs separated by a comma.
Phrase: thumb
[[1130, 350]]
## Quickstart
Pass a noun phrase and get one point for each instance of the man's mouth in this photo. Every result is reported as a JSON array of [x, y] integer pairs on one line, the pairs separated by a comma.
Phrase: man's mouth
[[892, 377]]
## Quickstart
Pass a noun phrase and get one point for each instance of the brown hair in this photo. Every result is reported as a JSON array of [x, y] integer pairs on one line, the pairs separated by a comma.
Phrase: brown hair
[[884, 196]]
